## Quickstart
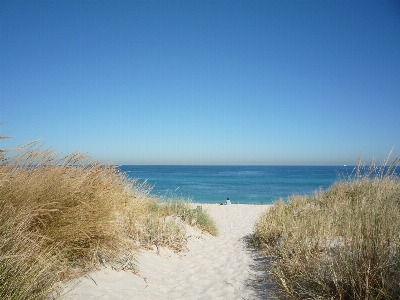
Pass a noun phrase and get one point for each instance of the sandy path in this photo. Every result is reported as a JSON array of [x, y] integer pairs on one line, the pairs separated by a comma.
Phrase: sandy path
[[214, 267]]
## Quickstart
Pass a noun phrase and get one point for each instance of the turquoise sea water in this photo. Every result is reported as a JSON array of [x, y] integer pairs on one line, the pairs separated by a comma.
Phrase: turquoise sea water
[[242, 184]]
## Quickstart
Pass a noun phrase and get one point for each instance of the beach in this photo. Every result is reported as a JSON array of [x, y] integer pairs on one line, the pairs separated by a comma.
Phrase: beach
[[221, 267]]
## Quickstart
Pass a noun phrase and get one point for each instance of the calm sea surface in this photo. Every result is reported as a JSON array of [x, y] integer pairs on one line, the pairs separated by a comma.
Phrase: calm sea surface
[[244, 184]]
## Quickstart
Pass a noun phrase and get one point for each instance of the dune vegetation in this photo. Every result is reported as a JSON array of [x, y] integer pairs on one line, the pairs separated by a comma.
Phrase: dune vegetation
[[62, 217], [343, 243]]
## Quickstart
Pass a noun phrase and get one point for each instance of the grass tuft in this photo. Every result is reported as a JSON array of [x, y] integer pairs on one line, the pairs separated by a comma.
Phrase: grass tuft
[[340, 244], [195, 217], [63, 217]]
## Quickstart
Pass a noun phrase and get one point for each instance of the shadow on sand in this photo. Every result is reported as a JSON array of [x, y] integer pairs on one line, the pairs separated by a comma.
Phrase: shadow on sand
[[260, 282]]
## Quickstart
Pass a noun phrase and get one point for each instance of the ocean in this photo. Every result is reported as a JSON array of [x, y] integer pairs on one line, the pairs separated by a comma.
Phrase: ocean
[[241, 184]]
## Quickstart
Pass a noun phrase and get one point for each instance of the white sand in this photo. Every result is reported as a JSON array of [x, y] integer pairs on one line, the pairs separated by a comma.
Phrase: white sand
[[219, 267]]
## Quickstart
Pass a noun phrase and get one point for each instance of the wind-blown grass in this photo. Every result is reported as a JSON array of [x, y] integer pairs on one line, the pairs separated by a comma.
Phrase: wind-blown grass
[[195, 217], [63, 217], [340, 244]]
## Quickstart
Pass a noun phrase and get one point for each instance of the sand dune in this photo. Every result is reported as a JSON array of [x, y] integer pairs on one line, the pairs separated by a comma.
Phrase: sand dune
[[221, 267]]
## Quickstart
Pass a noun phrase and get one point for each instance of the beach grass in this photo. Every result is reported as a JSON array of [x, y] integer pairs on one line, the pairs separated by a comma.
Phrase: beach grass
[[195, 217], [62, 217], [343, 243]]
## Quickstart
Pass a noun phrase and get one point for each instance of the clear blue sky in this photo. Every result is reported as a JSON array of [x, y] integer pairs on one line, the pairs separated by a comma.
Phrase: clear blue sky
[[203, 82]]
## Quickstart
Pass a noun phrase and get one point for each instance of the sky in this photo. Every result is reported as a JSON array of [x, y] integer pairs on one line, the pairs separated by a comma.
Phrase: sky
[[203, 82]]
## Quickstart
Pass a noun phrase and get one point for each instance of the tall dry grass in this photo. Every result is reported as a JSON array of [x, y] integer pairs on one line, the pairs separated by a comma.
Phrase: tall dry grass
[[63, 217], [340, 244]]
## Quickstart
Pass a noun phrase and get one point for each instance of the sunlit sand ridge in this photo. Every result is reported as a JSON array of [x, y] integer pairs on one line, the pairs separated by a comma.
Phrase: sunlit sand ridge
[[221, 267]]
